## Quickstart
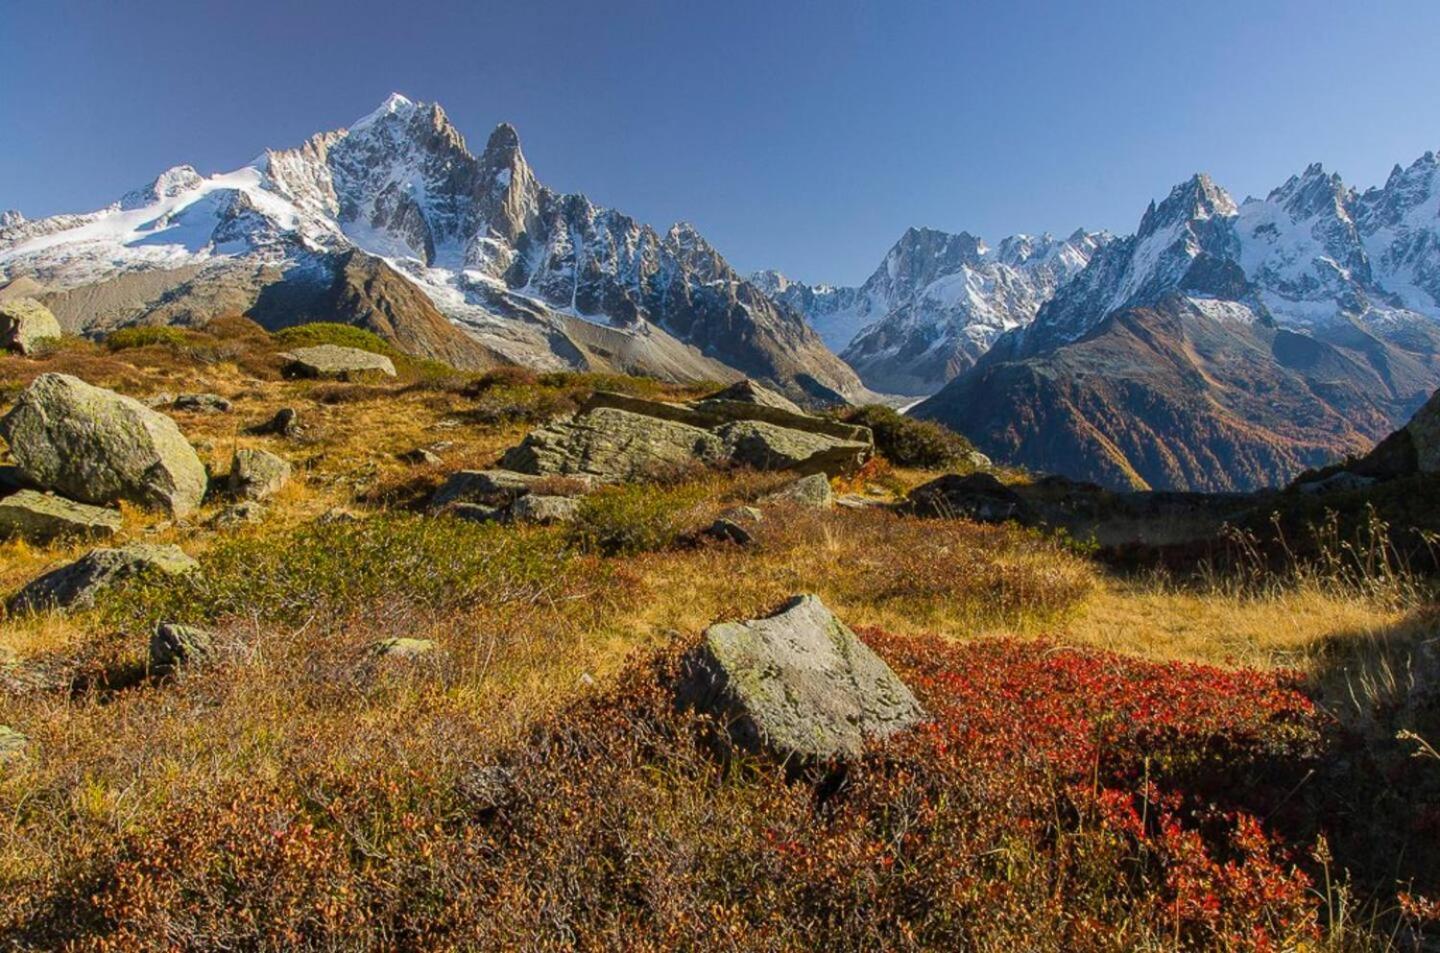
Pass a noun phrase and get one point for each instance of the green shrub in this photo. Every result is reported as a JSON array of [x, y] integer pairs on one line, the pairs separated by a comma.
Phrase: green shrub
[[341, 335], [324, 569], [908, 442], [635, 518], [146, 336]]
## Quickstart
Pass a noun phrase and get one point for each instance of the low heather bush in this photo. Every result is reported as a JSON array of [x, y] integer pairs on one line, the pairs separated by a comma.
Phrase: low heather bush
[[908, 442]]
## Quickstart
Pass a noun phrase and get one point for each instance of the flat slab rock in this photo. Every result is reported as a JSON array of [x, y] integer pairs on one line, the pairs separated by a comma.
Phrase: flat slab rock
[[77, 585], [332, 360], [798, 684], [41, 517]]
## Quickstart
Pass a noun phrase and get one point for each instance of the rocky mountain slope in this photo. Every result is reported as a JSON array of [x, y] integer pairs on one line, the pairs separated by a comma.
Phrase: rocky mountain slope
[[936, 303], [527, 274], [1223, 345]]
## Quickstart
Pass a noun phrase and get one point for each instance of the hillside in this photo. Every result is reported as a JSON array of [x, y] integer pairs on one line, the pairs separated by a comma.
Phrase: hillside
[[447, 725]]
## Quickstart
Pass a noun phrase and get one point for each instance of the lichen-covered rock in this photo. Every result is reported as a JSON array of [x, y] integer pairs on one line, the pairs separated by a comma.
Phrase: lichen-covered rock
[[498, 487], [729, 531], [749, 392], [419, 456], [244, 513], [42, 517], [257, 474], [96, 446], [24, 323], [613, 445], [202, 403], [76, 586], [743, 514], [543, 510], [767, 446], [798, 684], [285, 423], [405, 648], [813, 491], [332, 360], [173, 645]]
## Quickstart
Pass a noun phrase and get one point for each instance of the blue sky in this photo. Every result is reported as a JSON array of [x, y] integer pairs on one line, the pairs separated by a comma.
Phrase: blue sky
[[802, 136]]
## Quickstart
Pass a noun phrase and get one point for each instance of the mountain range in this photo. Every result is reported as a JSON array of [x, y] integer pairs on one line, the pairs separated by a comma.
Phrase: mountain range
[[394, 224], [1223, 346], [1220, 346]]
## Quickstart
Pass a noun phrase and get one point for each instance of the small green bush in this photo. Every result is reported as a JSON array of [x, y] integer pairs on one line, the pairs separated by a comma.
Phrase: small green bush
[[324, 569], [341, 335], [635, 518], [146, 336], [908, 442]]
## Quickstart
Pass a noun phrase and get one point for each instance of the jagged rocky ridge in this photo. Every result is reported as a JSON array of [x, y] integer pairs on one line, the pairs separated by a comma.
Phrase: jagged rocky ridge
[[528, 274], [936, 303], [1223, 346]]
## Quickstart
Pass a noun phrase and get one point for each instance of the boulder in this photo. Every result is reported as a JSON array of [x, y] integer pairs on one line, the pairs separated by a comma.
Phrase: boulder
[[419, 457], [173, 645], [403, 648], [498, 487], [743, 514], [41, 517], [97, 446], [543, 510], [813, 491], [257, 474], [749, 392], [798, 684], [202, 403], [24, 323], [285, 423], [244, 513], [729, 531], [75, 586], [976, 496], [332, 360], [613, 445], [767, 446], [12, 744]]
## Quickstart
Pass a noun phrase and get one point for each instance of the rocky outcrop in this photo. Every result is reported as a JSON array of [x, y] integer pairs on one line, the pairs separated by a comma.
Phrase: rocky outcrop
[[77, 585], [97, 446], [257, 474], [500, 487], [173, 645], [42, 517], [332, 360], [615, 437], [798, 684], [24, 323], [543, 510]]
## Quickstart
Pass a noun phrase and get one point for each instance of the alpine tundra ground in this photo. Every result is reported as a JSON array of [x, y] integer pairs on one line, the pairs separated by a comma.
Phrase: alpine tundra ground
[[1112, 762]]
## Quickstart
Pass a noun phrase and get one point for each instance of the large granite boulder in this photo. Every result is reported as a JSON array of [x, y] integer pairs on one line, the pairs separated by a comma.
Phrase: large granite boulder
[[42, 517], [617, 437], [97, 446], [257, 474], [798, 684], [24, 323], [77, 585], [613, 445], [332, 360]]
